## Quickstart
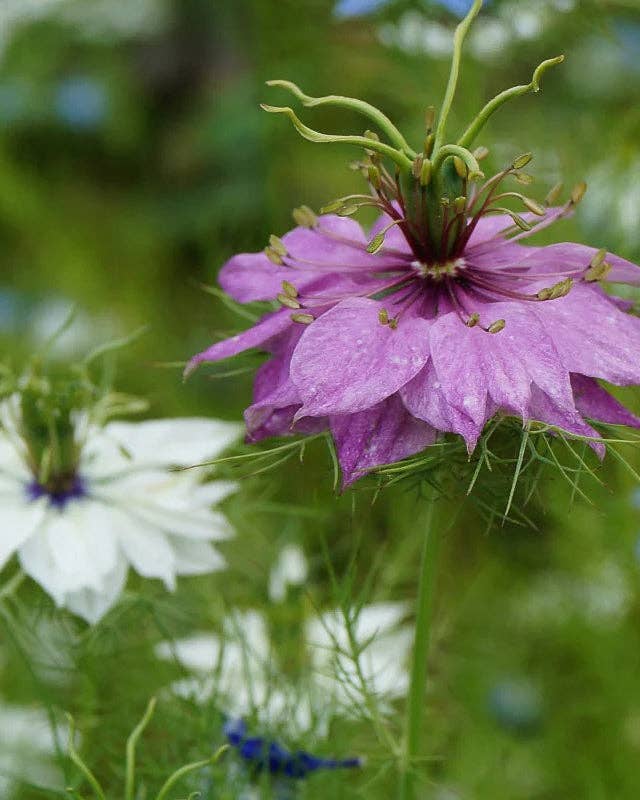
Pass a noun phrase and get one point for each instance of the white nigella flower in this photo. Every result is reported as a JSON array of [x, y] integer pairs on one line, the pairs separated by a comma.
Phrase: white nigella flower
[[291, 569], [113, 502], [27, 748], [240, 667]]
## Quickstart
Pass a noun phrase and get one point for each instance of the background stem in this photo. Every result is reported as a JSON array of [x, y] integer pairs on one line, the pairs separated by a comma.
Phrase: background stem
[[418, 686]]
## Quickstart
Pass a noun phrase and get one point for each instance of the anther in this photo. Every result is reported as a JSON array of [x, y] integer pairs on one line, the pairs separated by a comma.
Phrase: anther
[[461, 167], [554, 194], [521, 161], [383, 316], [305, 319], [304, 217], [376, 243], [480, 153], [425, 173], [289, 289], [273, 256], [473, 320], [559, 289], [524, 178], [598, 268], [374, 177], [534, 207], [277, 245], [578, 192], [289, 302], [428, 145], [416, 167], [496, 326], [460, 204], [430, 118]]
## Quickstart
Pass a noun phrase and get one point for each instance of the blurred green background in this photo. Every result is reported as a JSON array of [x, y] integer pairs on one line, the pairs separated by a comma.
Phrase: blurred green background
[[134, 160]]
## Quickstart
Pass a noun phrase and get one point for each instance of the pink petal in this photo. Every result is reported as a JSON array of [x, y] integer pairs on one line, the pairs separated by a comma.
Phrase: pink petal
[[592, 335], [423, 397], [544, 409], [595, 403], [568, 256], [474, 366], [380, 435], [261, 332], [348, 361]]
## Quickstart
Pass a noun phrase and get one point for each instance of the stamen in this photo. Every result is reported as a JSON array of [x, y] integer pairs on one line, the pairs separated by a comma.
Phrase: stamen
[[273, 256], [304, 217], [289, 302], [578, 192], [305, 319], [554, 194], [496, 326], [277, 245], [289, 289], [598, 268], [378, 240]]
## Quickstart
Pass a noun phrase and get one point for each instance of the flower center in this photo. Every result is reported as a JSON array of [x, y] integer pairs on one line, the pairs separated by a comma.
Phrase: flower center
[[59, 490], [437, 272]]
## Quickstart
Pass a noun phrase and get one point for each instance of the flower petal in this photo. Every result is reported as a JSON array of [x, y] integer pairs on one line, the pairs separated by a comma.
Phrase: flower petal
[[269, 326], [380, 435], [595, 403], [592, 335], [424, 399], [92, 604], [173, 442], [565, 257], [195, 558], [347, 361], [544, 409], [73, 549], [473, 365], [19, 519]]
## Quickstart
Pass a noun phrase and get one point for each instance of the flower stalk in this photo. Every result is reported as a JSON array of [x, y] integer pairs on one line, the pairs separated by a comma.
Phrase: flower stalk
[[419, 668]]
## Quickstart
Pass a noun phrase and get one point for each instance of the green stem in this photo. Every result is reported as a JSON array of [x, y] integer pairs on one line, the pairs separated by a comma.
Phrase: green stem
[[418, 685], [458, 41]]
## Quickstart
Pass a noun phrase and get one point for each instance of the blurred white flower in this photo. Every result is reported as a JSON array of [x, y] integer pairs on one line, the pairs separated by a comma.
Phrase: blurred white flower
[[291, 569], [612, 204], [382, 662], [240, 668], [123, 505], [601, 598], [27, 746]]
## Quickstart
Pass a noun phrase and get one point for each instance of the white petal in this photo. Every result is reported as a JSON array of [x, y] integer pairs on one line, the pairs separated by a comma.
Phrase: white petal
[[181, 442], [93, 604], [148, 549], [19, 519], [173, 502], [74, 549], [195, 558]]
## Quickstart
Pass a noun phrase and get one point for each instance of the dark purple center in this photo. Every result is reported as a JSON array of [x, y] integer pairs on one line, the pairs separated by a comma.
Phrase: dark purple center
[[59, 494]]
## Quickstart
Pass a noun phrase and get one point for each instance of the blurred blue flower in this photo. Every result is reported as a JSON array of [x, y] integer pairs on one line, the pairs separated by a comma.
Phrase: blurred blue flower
[[81, 102], [12, 310], [358, 8], [14, 101], [628, 35], [263, 754], [516, 705], [457, 7]]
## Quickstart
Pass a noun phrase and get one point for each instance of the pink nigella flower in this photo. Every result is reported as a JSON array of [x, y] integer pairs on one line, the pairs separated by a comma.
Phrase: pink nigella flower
[[440, 319]]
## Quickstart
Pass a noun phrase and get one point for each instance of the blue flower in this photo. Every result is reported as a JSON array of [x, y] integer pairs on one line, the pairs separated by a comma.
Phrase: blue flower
[[264, 754], [457, 7], [358, 8], [516, 706], [81, 103]]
